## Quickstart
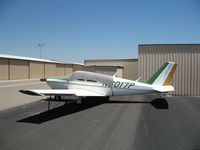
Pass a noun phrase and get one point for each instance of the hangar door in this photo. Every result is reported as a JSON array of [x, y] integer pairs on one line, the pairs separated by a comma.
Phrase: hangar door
[[36, 70], [4, 69], [60, 70], [68, 69], [19, 69], [50, 69]]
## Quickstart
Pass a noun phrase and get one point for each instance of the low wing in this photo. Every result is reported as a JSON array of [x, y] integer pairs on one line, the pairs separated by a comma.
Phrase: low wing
[[167, 88], [64, 92]]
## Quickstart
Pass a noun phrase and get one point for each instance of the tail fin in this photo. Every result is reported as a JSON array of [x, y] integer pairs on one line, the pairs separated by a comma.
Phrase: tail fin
[[164, 75]]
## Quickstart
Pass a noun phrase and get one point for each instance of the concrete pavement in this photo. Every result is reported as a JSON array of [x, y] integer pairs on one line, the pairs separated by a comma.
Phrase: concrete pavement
[[11, 97]]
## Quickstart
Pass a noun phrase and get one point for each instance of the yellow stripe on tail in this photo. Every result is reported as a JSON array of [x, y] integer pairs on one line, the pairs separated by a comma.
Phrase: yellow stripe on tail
[[170, 76]]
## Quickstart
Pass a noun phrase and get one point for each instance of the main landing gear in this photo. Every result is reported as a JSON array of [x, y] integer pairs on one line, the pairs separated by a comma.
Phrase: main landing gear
[[79, 101], [59, 98], [56, 98]]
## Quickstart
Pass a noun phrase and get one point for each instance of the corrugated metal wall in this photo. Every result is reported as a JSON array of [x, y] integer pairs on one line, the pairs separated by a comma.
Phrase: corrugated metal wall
[[130, 66], [120, 72], [77, 67], [187, 56], [109, 70]]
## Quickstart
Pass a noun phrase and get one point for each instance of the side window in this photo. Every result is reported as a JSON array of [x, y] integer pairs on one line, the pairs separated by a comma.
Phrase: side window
[[91, 81], [81, 79]]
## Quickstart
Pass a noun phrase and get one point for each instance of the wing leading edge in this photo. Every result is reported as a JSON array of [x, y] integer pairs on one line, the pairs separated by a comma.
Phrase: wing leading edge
[[64, 92]]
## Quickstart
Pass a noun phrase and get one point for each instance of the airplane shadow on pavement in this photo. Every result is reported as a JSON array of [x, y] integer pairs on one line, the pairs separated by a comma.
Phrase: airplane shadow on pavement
[[60, 111], [157, 103], [71, 108]]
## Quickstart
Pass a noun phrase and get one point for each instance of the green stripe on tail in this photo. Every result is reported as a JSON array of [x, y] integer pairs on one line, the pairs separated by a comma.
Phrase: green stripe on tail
[[156, 74]]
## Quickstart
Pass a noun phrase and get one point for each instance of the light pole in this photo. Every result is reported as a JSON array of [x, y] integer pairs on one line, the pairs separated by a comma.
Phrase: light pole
[[40, 46]]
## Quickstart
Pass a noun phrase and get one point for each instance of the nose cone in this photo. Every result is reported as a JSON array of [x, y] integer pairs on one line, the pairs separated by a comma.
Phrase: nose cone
[[43, 79]]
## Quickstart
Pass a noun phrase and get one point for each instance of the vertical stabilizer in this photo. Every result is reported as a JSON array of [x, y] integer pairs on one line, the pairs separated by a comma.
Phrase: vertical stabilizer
[[164, 75]]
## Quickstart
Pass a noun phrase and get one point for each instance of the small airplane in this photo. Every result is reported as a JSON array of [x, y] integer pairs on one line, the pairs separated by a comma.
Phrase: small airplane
[[83, 84]]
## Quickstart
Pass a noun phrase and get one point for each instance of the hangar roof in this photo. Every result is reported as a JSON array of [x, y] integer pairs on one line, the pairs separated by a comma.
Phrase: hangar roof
[[117, 66], [36, 59], [131, 59], [175, 44]]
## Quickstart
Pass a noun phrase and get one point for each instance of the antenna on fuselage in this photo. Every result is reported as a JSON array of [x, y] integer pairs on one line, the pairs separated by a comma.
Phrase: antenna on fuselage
[[138, 79]]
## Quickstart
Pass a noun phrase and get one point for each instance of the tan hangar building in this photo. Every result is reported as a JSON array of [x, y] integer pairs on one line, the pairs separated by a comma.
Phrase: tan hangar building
[[16, 67], [125, 68], [150, 58], [187, 56]]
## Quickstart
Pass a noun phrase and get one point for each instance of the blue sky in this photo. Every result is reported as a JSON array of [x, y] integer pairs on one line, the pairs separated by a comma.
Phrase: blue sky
[[75, 30]]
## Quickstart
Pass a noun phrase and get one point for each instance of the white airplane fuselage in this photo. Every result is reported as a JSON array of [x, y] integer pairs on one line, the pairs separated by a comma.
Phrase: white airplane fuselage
[[120, 86]]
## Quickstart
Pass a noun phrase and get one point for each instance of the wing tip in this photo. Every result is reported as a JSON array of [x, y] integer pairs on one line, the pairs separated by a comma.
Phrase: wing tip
[[28, 92]]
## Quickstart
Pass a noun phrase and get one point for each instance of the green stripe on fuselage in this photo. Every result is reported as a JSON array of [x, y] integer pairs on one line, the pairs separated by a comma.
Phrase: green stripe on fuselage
[[59, 78]]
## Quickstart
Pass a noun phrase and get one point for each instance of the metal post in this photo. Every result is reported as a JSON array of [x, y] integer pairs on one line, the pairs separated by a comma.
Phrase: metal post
[[40, 46], [49, 100]]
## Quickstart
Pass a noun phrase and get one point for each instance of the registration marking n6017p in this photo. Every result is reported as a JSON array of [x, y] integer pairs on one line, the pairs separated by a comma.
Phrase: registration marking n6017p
[[123, 85]]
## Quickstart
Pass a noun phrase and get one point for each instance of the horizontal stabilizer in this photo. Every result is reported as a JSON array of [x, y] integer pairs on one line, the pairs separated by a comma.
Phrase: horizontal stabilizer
[[167, 88]]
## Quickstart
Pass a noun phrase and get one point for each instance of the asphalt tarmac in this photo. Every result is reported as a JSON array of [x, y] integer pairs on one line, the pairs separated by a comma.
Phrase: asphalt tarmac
[[123, 123]]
